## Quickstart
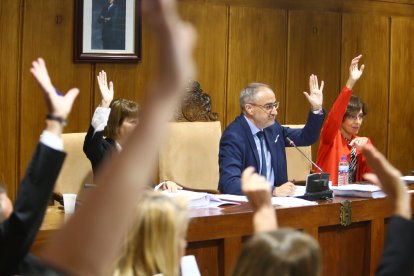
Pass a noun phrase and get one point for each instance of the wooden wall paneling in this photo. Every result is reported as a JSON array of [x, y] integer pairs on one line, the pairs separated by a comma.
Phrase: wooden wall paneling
[[372, 7], [401, 112], [411, 2], [48, 33], [313, 48], [257, 53], [211, 23], [10, 26], [369, 36]]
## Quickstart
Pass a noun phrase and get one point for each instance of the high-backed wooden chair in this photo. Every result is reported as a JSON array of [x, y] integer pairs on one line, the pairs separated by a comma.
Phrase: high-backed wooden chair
[[77, 169], [189, 155], [297, 165]]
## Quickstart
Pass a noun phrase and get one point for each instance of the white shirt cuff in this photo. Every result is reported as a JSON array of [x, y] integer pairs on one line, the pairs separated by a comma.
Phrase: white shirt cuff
[[100, 118], [319, 111], [51, 140]]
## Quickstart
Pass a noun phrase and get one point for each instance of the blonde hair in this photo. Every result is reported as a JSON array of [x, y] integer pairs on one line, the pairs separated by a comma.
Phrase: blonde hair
[[285, 252], [153, 242]]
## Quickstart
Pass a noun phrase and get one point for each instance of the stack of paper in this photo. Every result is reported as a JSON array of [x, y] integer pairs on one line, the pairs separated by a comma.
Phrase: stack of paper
[[199, 200], [291, 201], [358, 190]]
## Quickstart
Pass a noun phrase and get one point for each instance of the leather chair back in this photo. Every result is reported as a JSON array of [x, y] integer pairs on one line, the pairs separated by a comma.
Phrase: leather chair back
[[77, 169], [297, 166], [189, 155]]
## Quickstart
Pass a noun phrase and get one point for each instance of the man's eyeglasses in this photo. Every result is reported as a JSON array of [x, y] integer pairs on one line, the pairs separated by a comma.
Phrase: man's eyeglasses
[[267, 107], [355, 117]]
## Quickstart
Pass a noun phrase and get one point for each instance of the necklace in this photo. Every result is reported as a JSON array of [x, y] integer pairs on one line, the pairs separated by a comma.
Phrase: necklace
[[347, 140]]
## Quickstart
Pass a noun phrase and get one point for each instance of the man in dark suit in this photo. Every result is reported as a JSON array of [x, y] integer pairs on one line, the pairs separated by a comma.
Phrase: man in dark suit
[[398, 255], [19, 225], [109, 20], [255, 138]]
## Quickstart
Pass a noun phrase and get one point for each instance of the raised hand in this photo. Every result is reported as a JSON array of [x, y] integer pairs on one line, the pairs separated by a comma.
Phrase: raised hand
[[57, 105], [354, 72], [315, 97], [389, 179], [257, 190], [107, 92]]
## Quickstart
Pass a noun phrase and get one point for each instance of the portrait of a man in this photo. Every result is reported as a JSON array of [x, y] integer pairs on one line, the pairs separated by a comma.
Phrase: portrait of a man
[[108, 24]]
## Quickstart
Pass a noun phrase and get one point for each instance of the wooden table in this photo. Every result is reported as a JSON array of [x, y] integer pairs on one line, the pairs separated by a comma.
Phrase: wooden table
[[215, 236]]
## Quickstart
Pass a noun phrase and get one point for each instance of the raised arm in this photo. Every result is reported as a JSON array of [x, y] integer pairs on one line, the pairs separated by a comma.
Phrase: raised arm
[[95, 147], [398, 255], [389, 179], [58, 106], [257, 190], [334, 118], [19, 230], [90, 242]]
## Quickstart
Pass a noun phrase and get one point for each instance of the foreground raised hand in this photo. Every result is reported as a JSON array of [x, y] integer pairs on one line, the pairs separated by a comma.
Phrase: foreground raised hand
[[257, 190], [90, 242], [389, 179], [57, 105], [315, 97]]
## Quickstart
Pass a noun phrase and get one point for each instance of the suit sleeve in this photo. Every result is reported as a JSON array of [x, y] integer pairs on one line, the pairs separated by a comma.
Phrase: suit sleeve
[[94, 147], [309, 134], [230, 163], [398, 255], [18, 232]]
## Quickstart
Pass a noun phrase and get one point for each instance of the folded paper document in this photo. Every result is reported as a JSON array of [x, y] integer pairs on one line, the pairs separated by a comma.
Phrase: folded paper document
[[199, 200], [409, 179], [277, 201], [358, 190]]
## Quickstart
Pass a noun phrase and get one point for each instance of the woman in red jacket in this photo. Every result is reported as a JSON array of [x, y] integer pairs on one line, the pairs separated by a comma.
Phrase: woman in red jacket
[[339, 132]]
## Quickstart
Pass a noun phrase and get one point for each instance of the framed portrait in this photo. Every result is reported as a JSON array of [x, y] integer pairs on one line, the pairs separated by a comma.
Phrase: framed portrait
[[107, 31]]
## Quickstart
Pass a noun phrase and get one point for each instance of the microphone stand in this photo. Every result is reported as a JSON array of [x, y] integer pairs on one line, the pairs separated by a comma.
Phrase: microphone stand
[[317, 186]]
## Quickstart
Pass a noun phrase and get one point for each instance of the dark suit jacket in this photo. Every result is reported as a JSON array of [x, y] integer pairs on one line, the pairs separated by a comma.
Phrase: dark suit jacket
[[109, 28], [398, 255], [238, 149], [18, 232], [97, 148]]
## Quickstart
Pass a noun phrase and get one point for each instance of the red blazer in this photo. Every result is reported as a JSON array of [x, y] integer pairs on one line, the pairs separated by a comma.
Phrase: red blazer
[[333, 145]]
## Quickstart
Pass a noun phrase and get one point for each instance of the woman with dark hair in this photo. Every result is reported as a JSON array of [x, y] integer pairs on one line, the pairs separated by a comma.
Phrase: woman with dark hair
[[111, 124], [339, 132]]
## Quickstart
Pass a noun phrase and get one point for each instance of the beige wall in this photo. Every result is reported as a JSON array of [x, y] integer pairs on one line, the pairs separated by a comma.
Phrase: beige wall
[[280, 42]]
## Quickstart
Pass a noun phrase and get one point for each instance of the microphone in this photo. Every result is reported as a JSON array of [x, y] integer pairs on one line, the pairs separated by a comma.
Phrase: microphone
[[291, 143], [317, 184]]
